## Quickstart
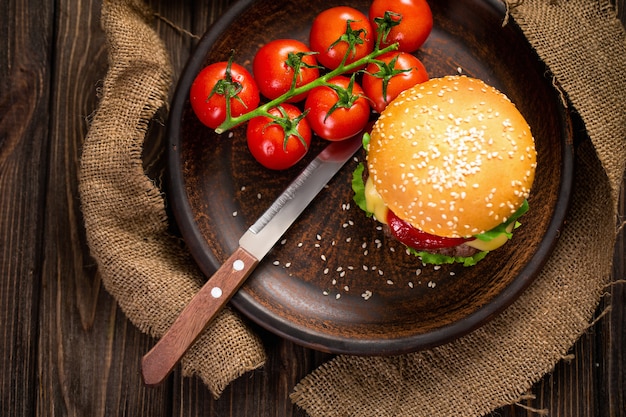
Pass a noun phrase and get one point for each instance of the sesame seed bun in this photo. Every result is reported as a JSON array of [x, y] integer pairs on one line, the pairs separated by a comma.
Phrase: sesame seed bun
[[452, 156]]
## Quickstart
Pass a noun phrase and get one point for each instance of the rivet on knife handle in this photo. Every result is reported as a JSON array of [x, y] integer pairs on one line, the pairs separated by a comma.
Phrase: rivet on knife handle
[[161, 359]]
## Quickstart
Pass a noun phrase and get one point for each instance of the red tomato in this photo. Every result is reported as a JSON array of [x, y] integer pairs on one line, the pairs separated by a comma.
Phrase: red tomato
[[209, 89], [330, 33], [337, 115], [415, 26], [417, 239], [396, 72], [279, 143], [274, 65]]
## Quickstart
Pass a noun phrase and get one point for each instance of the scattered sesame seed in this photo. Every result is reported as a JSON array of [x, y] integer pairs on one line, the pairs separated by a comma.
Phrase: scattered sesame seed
[[234, 214]]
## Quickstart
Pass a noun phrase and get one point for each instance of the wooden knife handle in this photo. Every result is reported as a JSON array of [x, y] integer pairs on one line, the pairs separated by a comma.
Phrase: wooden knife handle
[[195, 317]]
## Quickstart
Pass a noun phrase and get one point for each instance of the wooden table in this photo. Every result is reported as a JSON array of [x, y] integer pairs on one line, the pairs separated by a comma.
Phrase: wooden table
[[67, 349]]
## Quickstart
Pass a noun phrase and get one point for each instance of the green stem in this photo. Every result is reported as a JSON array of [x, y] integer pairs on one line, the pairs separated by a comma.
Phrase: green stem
[[263, 110]]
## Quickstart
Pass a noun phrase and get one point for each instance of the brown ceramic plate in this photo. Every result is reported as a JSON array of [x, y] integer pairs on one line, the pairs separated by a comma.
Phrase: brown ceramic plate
[[336, 283]]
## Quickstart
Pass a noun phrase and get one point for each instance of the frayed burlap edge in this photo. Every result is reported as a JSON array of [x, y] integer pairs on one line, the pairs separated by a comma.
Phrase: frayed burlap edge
[[497, 364], [145, 269]]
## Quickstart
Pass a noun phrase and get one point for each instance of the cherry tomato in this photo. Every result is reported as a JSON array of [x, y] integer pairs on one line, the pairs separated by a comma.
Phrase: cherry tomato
[[279, 144], [396, 72], [274, 66], [417, 239], [331, 31], [413, 29], [337, 114], [211, 86]]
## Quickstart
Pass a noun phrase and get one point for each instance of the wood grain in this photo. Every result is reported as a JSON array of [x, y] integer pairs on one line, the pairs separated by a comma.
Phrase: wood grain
[[25, 87], [66, 348]]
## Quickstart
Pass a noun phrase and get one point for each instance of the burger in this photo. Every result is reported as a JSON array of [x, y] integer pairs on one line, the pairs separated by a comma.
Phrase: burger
[[450, 165]]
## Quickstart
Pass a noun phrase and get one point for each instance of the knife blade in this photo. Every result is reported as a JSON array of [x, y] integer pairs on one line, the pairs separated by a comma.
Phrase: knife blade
[[254, 244]]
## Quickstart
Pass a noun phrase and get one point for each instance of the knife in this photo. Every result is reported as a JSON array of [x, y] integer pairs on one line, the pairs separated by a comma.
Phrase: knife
[[255, 243]]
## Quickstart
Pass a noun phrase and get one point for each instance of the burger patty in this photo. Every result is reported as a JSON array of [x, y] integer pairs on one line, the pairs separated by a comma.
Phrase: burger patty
[[461, 250]]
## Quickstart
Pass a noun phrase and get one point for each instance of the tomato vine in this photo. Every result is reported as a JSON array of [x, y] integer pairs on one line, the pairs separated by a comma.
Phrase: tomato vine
[[343, 68]]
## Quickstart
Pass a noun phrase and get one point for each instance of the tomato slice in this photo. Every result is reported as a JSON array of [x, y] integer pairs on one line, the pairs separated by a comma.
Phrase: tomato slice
[[417, 239]]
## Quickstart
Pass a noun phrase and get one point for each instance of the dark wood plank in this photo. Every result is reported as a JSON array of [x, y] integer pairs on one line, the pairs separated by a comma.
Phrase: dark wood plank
[[25, 71], [88, 351]]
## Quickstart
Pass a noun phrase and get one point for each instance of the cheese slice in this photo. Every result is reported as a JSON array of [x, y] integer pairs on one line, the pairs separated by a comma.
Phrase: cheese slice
[[492, 244], [374, 202]]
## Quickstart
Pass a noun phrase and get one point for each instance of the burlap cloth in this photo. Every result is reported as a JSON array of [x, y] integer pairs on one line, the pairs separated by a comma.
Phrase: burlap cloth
[[152, 277]]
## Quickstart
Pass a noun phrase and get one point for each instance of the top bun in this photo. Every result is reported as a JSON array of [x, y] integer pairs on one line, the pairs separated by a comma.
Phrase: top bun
[[452, 156]]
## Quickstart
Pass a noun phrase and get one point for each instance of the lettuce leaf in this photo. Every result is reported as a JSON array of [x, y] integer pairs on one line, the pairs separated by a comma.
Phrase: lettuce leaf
[[439, 259], [358, 186], [498, 230], [366, 141]]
